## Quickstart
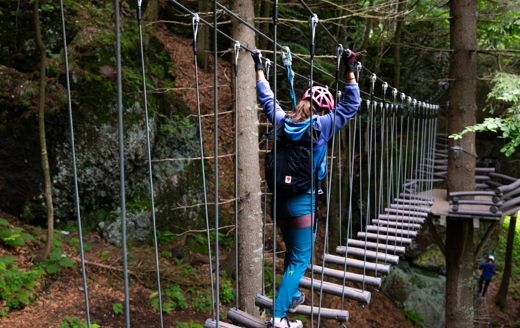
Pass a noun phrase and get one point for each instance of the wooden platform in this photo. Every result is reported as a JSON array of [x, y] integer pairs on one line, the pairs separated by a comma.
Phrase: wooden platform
[[441, 207]]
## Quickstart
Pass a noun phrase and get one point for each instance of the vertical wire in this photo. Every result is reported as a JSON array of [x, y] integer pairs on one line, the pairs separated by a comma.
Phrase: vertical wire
[[74, 167], [237, 236], [314, 195], [275, 144], [339, 52], [381, 179], [202, 163], [122, 199], [149, 158], [369, 168], [215, 145]]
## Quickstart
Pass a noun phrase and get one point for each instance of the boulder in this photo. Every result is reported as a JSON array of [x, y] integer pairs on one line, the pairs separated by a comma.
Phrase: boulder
[[418, 292]]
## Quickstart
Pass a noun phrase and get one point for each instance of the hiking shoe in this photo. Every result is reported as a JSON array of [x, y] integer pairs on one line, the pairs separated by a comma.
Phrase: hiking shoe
[[297, 301], [284, 323]]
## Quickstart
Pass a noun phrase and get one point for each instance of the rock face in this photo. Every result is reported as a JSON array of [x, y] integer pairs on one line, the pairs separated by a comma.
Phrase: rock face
[[419, 293], [138, 228], [173, 131]]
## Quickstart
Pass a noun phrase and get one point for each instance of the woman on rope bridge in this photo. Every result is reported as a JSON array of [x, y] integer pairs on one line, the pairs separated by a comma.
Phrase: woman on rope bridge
[[295, 210]]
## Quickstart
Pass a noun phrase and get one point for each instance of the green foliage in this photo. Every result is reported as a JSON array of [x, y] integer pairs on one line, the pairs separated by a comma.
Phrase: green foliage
[[227, 293], [504, 96], [13, 236], [17, 287], [415, 280], [180, 324], [202, 302], [57, 261], [104, 254], [165, 236], [74, 243], [172, 299], [74, 322], [514, 286], [117, 308], [414, 317], [166, 254]]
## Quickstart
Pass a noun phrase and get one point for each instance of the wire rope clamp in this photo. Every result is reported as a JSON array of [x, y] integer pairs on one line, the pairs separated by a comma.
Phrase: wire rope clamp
[[267, 67], [373, 79], [339, 54], [359, 66], [139, 11], [394, 93], [195, 20], [236, 49], [313, 22]]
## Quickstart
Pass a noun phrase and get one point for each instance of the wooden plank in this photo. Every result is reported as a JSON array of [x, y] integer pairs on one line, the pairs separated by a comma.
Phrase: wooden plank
[[400, 240], [368, 244], [371, 255], [335, 289], [340, 315], [391, 231], [412, 201], [410, 207], [347, 276], [397, 224], [405, 212], [245, 319], [402, 218], [358, 264], [211, 323]]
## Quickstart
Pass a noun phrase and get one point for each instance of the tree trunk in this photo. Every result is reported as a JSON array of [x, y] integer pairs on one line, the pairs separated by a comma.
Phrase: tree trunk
[[47, 186], [397, 47], [204, 36], [501, 298], [267, 11], [151, 11], [459, 281], [250, 251], [368, 28], [461, 163]]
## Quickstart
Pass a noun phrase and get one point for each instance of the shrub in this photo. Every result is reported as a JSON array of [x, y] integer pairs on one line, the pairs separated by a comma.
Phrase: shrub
[[74, 322], [16, 287], [173, 299], [13, 237]]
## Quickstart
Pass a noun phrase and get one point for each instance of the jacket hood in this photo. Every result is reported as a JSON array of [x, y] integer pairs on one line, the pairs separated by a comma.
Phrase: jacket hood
[[295, 130]]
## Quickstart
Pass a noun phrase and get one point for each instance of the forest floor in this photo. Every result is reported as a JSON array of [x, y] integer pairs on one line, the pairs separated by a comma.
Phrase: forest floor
[[60, 295]]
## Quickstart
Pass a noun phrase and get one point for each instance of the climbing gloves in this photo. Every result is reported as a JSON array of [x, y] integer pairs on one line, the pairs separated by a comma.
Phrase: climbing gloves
[[349, 58], [257, 58]]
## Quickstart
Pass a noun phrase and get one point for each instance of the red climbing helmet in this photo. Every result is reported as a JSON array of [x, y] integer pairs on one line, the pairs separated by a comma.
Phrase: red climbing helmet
[[322, 98]]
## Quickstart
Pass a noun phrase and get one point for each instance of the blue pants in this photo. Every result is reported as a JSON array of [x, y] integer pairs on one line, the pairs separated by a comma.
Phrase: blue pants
[[297, 257]]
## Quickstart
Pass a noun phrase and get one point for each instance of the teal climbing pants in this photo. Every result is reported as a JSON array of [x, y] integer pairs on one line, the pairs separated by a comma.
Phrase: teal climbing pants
[[298, 236]]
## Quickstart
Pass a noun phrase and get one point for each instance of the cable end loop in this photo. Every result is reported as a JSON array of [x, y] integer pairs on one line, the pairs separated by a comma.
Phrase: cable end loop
[[385, 87]]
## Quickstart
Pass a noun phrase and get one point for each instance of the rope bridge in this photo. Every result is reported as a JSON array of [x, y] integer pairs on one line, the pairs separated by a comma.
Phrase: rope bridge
[[405, 157]]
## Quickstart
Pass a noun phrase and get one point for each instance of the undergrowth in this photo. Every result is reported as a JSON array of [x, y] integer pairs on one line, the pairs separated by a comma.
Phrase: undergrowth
[[514, 285], [18, 286]]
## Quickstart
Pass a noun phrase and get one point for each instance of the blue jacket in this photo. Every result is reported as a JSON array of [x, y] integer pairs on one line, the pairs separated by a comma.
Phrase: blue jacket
[[488, 270], [327, 125], [343, 112]]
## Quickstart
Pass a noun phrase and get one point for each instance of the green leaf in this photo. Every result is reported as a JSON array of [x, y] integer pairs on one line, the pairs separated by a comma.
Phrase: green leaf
[[117, 308]]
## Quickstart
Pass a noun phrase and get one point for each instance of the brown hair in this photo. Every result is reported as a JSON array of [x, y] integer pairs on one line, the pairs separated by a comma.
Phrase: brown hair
[[302, 111]]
